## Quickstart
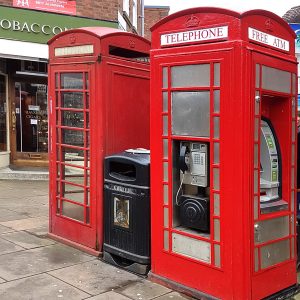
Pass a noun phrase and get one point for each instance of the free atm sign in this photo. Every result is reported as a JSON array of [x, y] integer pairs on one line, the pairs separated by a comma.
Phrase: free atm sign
[[56, 6]]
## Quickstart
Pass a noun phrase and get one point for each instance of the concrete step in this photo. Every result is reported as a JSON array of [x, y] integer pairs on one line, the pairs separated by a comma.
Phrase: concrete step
[[24, 173]]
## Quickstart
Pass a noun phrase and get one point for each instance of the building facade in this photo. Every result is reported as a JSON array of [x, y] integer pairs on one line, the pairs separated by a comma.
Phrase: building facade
[[292, 16], [25, 28], [152, 15]]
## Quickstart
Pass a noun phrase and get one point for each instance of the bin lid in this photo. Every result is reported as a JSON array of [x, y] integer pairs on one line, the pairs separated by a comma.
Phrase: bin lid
[[138, 151]]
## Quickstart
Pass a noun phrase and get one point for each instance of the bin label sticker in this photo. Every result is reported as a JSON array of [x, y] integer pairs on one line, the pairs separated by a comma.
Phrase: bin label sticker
[[121, 212], [268, 39], [192, 36]]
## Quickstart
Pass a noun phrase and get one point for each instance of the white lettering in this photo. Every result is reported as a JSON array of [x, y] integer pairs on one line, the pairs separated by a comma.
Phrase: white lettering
[[268, 39], [5, 24], [44, 28], [56, 30], [33, 25], [25, 27], [16, 25], [206, 34]]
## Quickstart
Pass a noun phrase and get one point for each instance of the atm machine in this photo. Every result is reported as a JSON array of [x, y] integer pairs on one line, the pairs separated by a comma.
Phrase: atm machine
[[270, 170]]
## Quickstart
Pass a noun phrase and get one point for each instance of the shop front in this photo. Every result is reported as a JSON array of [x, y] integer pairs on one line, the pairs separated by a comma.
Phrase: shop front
[[23, 81]]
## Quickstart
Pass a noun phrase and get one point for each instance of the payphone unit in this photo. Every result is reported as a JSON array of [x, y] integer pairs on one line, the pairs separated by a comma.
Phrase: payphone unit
[[193, 202]]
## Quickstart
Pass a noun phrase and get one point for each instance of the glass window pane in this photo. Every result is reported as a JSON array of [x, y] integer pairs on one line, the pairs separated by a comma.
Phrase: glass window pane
[[191, 113], [190, 75], [71, 80], [292, 201], [72, 100], [217, 74], [216, 204], [165, 77], [87, 82], [165, 171], [56, 80], [276, 80], [166, 217], [72, 119], [256, 103], [217, 230], [255, 181], [217, 101], [73, 211], [256, 129], [166, 194], [72, 137], [216, 127], [73, 156], [217, 255], [165, 148], [256, 155], [216, 153], [73, 193], [257, 75], [216, 179], [165, 125], [293, 131], [166, 240], [165, 101], [255, 207]]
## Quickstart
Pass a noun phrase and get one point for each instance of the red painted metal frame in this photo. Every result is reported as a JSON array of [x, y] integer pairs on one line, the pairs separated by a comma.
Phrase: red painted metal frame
[[235, 278], [118, 119]]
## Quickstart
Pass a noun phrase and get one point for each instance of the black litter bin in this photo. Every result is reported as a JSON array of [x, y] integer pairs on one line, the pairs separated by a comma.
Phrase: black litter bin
[[127, 210]]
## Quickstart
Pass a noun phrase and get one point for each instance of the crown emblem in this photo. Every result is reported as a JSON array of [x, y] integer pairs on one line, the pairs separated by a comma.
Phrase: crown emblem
[[131, 44], [269, 25], [72, 39], [192, 21]]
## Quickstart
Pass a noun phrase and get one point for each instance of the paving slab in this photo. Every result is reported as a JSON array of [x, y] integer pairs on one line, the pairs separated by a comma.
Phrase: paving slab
[[144, 289], [95, 277], [174, 296], [9, 215], [32, 210], [39, 287], [8, 247], [26, 240], [39, 260], [25, 224], [109, 296], [39, 231], [4, 229]]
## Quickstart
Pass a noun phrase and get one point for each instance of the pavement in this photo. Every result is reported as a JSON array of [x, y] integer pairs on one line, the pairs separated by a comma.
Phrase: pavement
[[34, 267]]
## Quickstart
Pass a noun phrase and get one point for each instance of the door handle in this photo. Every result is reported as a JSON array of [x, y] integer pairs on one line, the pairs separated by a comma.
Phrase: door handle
[[13, 120]]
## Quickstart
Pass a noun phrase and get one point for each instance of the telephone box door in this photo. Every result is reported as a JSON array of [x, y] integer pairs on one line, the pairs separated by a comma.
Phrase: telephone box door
[[274, 169], [192, 94], [73, 211]]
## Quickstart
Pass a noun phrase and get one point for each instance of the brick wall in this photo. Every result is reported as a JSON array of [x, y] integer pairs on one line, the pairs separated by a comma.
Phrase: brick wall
[[152, 15], [96, 9]]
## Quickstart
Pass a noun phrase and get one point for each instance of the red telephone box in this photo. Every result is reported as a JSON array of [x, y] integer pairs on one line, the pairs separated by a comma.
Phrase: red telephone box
[[99, 105], [223, 144]]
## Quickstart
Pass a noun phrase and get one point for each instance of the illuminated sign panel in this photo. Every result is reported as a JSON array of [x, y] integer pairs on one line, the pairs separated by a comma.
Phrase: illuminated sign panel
[[268, 39], [74, 50], [192, 36]]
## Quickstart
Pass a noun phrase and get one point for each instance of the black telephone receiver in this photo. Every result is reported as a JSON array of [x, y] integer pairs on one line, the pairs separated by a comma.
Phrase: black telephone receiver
[[182, 164]]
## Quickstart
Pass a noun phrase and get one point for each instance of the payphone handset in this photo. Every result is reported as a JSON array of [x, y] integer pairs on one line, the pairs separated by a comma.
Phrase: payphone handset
[[193, 163], [269, 162]]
